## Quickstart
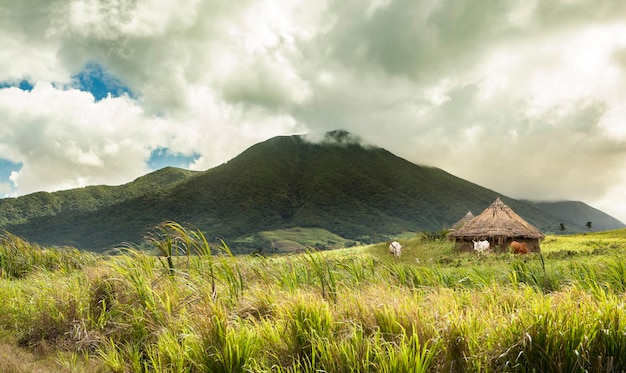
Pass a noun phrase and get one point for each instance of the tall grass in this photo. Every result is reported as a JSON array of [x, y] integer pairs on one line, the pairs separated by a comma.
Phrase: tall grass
[[19, 258], [323, 270], [197, 308]]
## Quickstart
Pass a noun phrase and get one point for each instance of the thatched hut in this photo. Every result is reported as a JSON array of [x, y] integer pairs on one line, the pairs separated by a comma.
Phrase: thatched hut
[[469, 216], [499, 225]]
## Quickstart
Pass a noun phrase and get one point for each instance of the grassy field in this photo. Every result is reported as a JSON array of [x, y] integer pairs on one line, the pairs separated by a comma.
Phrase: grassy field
[[349, 310]]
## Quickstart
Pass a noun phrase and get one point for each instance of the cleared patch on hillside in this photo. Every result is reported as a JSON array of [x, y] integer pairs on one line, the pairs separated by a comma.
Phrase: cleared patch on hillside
[[299, 239]]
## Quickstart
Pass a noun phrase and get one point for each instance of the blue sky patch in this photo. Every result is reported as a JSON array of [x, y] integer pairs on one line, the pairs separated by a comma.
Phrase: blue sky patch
[[161, 157], [6, 167], [97, 80], [93, 78], [23, 84]]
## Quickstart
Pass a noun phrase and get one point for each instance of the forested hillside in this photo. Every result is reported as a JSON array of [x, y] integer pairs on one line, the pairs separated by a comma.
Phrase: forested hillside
[[360, 193]]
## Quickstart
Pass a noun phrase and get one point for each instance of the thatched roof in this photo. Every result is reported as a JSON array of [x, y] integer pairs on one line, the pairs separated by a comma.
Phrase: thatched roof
[[469, 216], [497, 220]]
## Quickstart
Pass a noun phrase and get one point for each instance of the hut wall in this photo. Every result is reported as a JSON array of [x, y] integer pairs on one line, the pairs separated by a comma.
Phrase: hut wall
[[467, 245], [498, 244], [463, 245]]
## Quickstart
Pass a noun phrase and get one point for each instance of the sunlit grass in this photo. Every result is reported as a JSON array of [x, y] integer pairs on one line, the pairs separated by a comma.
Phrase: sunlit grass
[[587, 243], [197, 308]]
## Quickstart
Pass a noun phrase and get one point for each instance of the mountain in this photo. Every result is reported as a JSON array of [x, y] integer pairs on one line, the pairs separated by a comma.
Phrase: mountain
[[358, 192], [579, 214]]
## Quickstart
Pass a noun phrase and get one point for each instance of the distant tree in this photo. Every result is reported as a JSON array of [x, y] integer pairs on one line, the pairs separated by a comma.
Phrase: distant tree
[[588, 225], [561, 227], [259, 251]]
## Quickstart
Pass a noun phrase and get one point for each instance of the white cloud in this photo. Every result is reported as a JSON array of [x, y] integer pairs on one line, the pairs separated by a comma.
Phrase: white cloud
[[610, 202], [211, 78], [506, 94], [244, 51], [6, 189], [66, 139]]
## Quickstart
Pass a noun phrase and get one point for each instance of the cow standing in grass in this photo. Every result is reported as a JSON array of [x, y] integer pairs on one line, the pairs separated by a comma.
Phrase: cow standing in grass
[[395, 248], [481, 246], [519, 247]]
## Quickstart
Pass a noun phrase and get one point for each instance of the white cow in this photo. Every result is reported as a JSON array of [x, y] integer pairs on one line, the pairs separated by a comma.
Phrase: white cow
[[481, 246], [395, 248]]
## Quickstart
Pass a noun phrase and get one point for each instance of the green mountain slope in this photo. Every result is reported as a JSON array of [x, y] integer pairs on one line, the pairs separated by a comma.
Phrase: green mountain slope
[[356, 192], [579, 214], [42, 204]]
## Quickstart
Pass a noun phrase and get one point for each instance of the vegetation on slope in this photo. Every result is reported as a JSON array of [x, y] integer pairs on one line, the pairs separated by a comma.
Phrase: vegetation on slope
[[580, 214], [294, 240], [89, 199], [361, 194], [356, 309]]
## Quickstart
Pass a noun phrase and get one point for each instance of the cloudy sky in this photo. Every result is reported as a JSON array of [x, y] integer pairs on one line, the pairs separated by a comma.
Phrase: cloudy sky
[[525, 97]]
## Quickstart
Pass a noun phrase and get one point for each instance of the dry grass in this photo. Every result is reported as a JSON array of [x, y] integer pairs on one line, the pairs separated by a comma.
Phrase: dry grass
[[14, 359]]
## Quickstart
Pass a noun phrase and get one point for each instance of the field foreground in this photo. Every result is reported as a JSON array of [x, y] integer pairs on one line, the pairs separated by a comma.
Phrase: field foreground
[[349, 310]]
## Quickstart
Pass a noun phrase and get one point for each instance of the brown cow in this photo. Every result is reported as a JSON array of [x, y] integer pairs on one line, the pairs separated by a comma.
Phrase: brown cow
[[519, 247]]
